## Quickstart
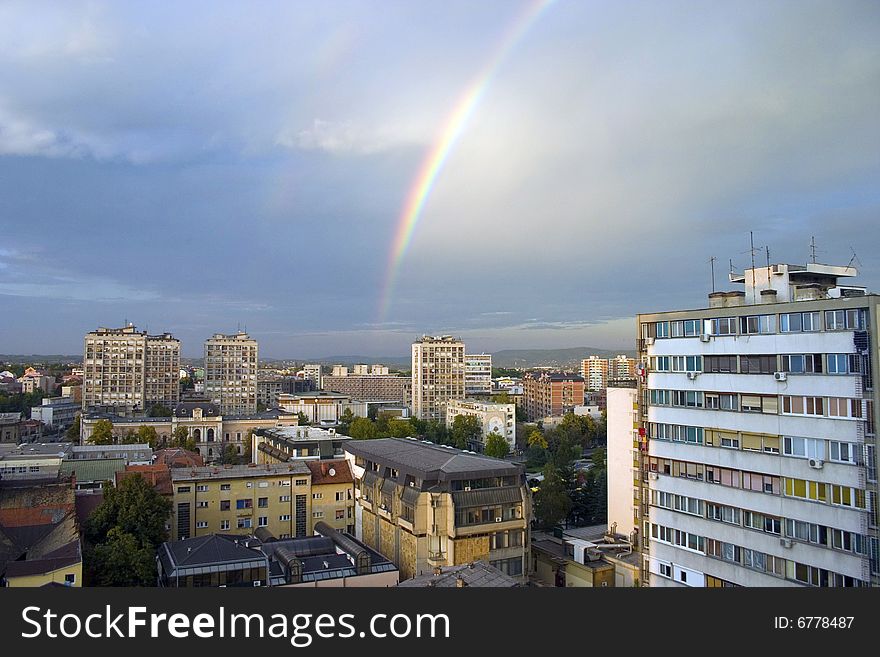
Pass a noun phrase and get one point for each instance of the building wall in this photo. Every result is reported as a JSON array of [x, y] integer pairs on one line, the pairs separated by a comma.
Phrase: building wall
[[335, 500], [491, 416], [438, 375], [623, 421], [231, 363], [56, 576], [371, 387], [727, 441], [269, 485]]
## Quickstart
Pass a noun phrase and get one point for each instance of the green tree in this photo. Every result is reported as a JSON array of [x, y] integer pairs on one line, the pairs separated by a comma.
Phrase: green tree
[[401, 428], [363, 429], [261, 407], [536, 439], [102, 433], [502, 398], [179, 437], [147, 434], [247, 454], [134, 507], [345, 421], [121, 561], [158, 410], [302, 420], [466, 429], [72, 433], [496, 445], [552, 501], [186, 383], [230, 455]]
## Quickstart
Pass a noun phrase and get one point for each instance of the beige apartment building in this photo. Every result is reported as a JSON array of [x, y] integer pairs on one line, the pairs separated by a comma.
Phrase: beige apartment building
[[425, 506], [231, 372], [438, 375], [286, 499], [129, 370]]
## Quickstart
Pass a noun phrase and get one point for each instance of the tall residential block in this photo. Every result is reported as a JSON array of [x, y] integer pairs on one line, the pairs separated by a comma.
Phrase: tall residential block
[[755, 461], [130, 370], [477, 375], [438, 375], [231, 372], [551, 394], [594, 371]]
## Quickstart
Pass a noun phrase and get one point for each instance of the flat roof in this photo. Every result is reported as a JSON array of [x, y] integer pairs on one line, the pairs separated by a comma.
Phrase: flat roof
[[430, 461], [240, 471]]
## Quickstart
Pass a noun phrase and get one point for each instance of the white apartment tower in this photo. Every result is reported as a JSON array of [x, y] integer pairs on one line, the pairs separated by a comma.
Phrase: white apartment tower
[[129, 370], [477, 375], [438, 373], [754, 454], [594, 370], [231, 372]]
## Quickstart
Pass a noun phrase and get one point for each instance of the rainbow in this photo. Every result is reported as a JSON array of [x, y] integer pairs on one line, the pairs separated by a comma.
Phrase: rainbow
[[440, 150]]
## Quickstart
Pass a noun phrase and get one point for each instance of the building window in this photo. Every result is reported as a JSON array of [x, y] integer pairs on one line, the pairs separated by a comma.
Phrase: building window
[[183, 489], [284, 518], [284, 498], [263, 521], [70, 579], [202, 488], [244, 504], [754, 324], [317, 496], [340, 514], [225, 486], [244, 523], [202, 504], [224, 505], [317, 514], [263, 502], [723, 326], [300, 482], [838, 363], [224, 525]]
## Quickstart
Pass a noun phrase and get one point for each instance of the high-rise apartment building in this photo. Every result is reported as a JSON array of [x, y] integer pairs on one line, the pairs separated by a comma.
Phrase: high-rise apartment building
[[313, 373], [231, 372], [130, 370], [594, 371], [621, 368], [477, 375], [551, 394], [754, 455], [438, 373]]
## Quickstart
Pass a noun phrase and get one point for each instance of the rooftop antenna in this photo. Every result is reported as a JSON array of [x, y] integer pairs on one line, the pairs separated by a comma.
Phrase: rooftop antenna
[[752, 252], [813, 249], [712, 265], [768, 264], [854, 258]]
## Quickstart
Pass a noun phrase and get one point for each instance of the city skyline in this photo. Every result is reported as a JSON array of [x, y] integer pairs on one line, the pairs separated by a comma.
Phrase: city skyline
[[211, 166]]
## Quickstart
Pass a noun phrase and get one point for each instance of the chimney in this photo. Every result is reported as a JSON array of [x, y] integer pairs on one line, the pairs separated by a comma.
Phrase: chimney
[[438, 570], [768, 296], [459, 582]]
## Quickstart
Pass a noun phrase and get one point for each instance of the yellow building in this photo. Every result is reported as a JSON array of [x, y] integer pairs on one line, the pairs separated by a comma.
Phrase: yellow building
[[424, 505], [279, 497]]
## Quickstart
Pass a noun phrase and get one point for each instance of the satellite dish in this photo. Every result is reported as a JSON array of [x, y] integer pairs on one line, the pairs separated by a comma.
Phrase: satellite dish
[[332, 472]]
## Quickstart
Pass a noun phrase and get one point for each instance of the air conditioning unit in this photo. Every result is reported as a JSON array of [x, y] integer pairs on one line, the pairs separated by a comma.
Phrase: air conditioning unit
[[257, 582], [785, 542], [693, 375], [705, 337], [467, 487], [653, 475], [817, 463], [497, 518], [780, 376], [649, 340]]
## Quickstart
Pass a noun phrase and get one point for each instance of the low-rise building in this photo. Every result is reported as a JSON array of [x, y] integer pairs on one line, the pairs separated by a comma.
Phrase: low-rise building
[[9, 429], [493, 418], [284, 444], [333, 494], [424, 505], [476, 574], [89, 474], [39, 534], [328, 559], [57, 412], [587, 557], [281, 498], [321, 407]]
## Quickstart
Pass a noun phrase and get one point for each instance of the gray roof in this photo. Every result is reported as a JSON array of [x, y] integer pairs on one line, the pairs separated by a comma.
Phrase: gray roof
[[478, 574], [93, 469], [429, 461], [211, 550], [238, 471]]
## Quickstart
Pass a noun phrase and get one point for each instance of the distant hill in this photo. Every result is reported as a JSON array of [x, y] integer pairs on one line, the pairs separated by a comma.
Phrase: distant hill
[[563, 358], [40, 358]]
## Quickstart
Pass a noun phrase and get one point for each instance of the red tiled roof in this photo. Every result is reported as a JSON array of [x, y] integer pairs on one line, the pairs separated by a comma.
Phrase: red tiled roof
[[158, 475], [176, 457], [31, 517], [321, 472]]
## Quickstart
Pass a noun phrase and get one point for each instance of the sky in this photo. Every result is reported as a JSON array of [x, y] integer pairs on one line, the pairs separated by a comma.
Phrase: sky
[[202, 167]]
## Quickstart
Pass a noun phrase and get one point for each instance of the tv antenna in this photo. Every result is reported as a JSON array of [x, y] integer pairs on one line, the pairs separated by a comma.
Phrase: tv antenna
[[712, 265], [813, 249], [854, 258]]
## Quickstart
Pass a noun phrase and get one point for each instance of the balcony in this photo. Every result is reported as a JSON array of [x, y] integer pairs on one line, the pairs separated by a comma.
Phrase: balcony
[[436, 558]]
